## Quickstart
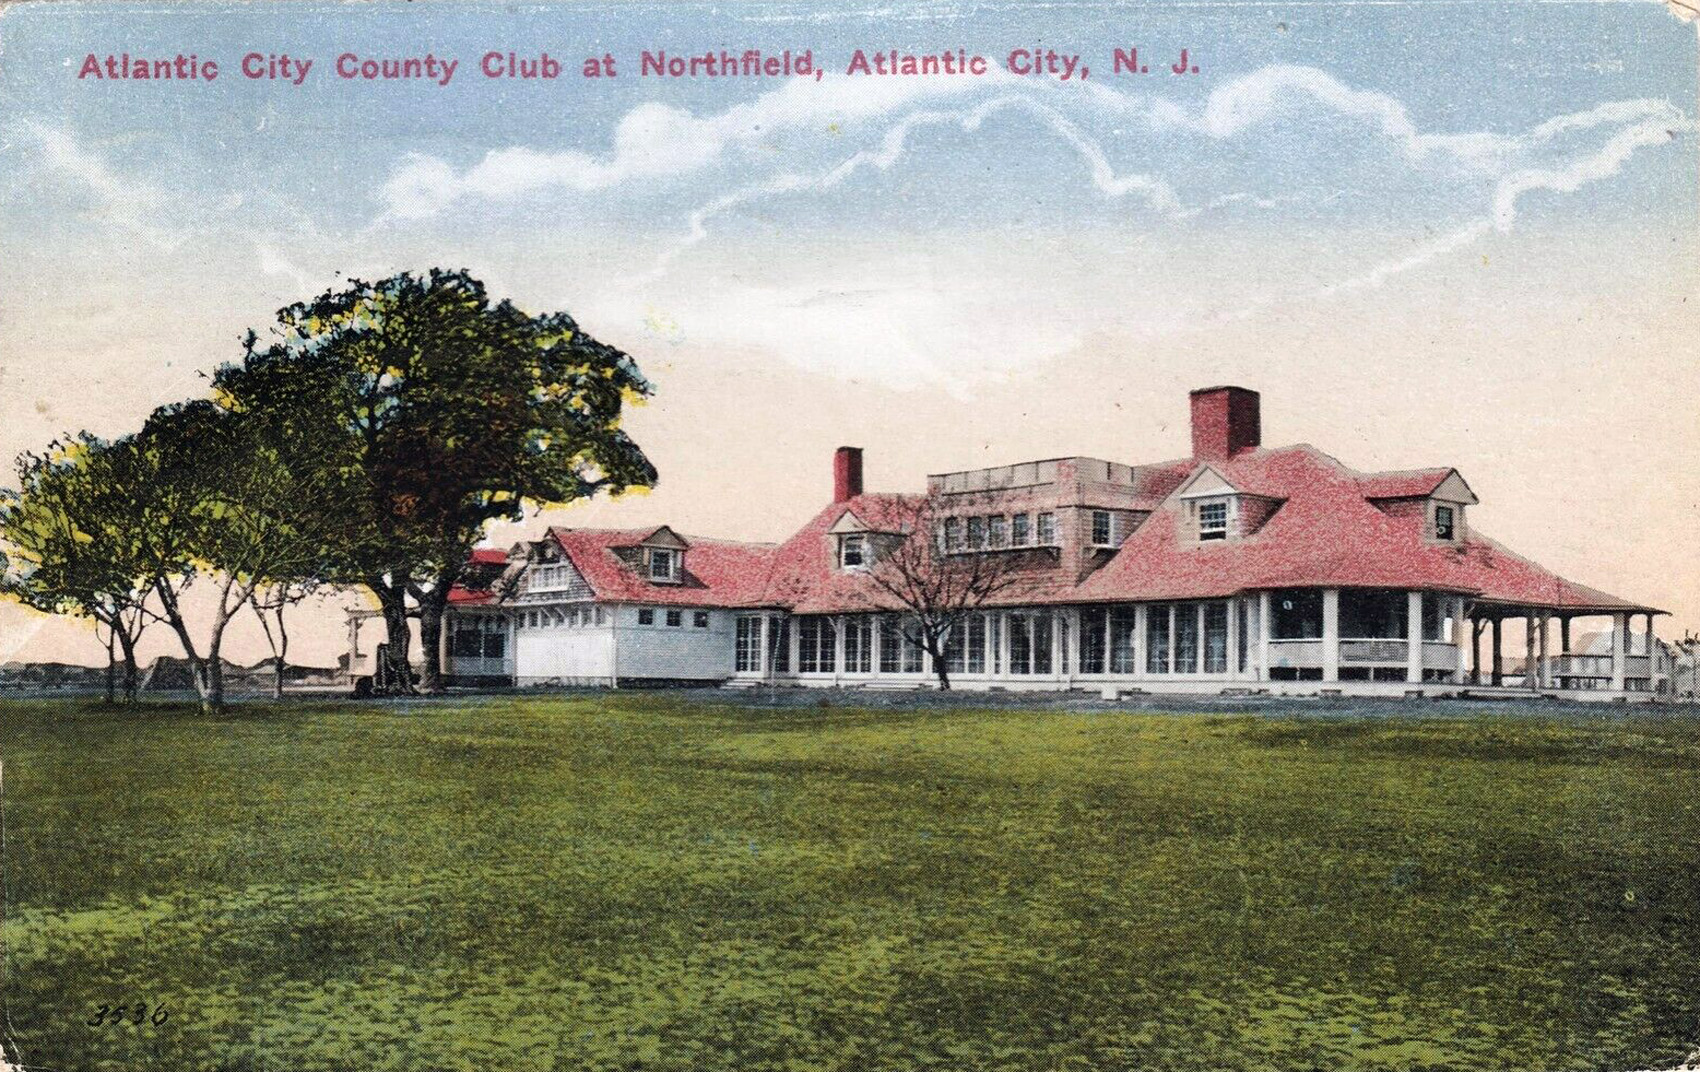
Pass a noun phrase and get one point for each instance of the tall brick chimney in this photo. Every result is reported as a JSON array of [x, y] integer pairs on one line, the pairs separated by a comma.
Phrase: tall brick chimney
[[1225, 421], [846, 474]]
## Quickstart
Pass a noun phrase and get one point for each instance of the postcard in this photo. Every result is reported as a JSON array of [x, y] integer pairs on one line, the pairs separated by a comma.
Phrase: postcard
[[950, 535]]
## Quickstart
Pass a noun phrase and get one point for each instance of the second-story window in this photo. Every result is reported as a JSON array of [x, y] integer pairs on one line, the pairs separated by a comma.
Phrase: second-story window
[[1047, 530], [1443, 526], [1019, 533], [997, 530], [976, 534], [663, 564], [1213, 521], [1101, 527], [852, 551], [675, 618], [953, 534]]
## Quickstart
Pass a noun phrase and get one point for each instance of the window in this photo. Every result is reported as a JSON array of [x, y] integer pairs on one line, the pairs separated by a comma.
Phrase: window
[[1186, 639], [646, 616], [816, 646], [953, 534], [976, 534], [858, 644], [1093, 641], [1124, 640], [1157, 639], [779, 645], [600, 618], [1101, 527], [748, 646], [1019, 533], [1296, 614], [965, 648], [675, 618], [852, 551], [898, 654], [1443, 528], [1047, 530], [1213, 521], [663, 564], [997, 530], [699, 619], [1215, 638]]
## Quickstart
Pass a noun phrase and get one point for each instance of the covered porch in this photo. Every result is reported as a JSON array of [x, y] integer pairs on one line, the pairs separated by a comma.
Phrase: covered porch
[[1556, 653]]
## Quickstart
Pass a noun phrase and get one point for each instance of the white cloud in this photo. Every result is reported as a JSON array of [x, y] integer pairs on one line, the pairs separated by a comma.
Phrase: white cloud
[[123, 201]]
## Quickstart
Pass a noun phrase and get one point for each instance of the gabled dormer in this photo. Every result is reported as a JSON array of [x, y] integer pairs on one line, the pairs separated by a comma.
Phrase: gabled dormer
[[852, 542], [661, 557], [1436, 496], [1212, 510]]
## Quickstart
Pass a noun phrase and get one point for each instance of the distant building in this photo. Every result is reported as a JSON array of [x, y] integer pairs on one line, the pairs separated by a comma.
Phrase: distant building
[[1238, 568]]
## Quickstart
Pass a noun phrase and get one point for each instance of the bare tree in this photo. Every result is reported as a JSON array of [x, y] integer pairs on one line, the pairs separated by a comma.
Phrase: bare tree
[[937, 587]]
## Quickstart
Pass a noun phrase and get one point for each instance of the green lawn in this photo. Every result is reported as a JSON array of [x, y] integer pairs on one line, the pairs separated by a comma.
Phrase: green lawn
[[649, 882]]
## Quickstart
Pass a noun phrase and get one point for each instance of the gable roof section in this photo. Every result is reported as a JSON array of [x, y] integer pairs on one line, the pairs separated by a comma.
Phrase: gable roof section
[[1328, 534], [716, 573], [1445, 484]]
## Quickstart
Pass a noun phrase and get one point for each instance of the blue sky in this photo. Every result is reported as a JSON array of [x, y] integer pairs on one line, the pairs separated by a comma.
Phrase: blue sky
[[1432, 232]]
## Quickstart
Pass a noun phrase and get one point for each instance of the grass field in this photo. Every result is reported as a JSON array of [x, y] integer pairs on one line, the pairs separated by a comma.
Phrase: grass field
[[652, 882]]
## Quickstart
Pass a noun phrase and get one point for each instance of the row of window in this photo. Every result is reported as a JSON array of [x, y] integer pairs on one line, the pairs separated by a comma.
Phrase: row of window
[[1181, 638], [994, 531], [558, 575], [561, 617], [674, 619]]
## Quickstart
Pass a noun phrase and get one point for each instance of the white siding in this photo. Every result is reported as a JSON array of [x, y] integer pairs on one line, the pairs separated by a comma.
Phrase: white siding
[[675, 653]]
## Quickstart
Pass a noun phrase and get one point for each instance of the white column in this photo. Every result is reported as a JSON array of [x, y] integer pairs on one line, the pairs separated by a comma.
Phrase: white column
[[1173, 612], [1413, 638], [1619, 639], [1264, 603], [1234, 638], [1198, 647], [1139, 615], [1531, 663], [837, 647], [1460, 629], [1003, 644], [1331, 634]]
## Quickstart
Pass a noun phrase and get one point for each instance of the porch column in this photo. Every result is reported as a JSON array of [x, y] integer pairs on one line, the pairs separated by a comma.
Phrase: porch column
[[837, 621], [1173, 611], [445, 666], [1331, 634], [353, 645], [1619, 642], [1564, 635], [1059, 645], [1547, 678], [1003, 643], [1139, 621], [1530, 666], [1459, 626], [1498, 674], [1234, 638], [1263, 603], [1198, 648], [1413, 638]]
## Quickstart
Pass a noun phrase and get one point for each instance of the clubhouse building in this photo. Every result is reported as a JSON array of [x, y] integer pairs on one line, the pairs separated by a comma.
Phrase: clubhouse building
[[1239, 569]]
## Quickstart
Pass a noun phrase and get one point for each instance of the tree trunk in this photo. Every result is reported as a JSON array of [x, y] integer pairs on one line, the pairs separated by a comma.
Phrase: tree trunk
[[111, 666], [281, 654], [132, 673], [397, 674], [431, 612]]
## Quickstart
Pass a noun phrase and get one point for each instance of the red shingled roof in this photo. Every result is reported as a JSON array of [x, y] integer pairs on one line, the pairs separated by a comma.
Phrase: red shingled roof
[[1412, 484], [717, 573], [1326, 534]]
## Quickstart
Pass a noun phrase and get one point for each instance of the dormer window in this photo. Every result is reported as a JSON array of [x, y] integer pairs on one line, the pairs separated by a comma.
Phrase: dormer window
[[663, 564], [1213, 521], [1444, 529], [853, 551], [1101, 528]]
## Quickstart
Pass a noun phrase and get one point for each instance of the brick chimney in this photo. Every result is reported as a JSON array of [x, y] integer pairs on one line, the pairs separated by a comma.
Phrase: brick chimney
[[846, 474], [1225, 421]]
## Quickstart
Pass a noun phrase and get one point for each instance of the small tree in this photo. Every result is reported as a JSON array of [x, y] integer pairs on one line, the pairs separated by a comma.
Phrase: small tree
[[76, 544], [936, 587]]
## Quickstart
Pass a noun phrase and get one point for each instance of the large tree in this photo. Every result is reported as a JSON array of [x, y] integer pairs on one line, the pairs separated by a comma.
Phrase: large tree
[[431, 411], [76, 542]]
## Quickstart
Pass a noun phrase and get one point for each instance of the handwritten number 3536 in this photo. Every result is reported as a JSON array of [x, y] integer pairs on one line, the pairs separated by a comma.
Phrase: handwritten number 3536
[[113, 1015]]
